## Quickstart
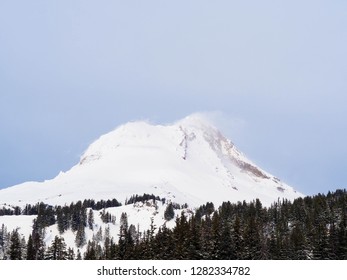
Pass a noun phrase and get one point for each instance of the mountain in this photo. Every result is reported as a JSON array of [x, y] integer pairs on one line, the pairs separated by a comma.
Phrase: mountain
[[189, 161]]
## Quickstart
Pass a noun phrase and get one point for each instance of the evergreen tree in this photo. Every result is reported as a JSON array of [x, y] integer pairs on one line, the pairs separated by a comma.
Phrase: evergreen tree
[[216, 237], [236, 238], [79, 256], [62, 223], [90, 253], [226, 248], [16, 246], [98, 236], [31, 252], [299, 243], [126, 240], [45, 216], [342, 239], [206, 238], [70, 254], [4, 242], [90, 219], [78, 216], [37, 236], [169, 213], [252, 240], [180, 235], [57, 250], [24, 248], [194, 240], [80, 239], [107, 249]]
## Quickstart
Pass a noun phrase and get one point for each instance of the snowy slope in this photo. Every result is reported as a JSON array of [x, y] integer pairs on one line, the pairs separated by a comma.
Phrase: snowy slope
[[188, 162], [138, 214]]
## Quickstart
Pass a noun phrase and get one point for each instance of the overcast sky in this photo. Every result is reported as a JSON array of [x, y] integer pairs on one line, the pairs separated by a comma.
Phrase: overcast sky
[[273, 74]]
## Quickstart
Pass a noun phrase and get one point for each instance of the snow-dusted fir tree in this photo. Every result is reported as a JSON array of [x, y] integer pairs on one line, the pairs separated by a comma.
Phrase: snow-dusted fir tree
[[80, 239], [169, 213], [90, 219], [15, 252], [4, 242], [57, 250]]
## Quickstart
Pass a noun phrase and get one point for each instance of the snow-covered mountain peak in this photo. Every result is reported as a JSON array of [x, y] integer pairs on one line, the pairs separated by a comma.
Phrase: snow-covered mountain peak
[[197, 121], [189, 161], [144, 134]]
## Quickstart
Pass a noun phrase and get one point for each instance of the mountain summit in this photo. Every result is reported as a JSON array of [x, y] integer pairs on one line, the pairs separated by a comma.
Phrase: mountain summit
[[189, 161]]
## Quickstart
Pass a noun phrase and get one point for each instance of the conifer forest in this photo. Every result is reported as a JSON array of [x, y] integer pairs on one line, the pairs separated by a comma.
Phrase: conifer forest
[[309, 228]]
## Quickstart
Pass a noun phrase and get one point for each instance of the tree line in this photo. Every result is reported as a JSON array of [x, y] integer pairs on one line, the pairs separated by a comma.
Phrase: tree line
[[29, 209], [313, 227]]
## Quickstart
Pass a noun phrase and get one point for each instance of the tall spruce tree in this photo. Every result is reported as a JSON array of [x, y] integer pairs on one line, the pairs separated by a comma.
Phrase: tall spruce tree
[[57, 250], [4, 242], [31, 252], [90, 219], [39, 246], [80, 238], [15, 252]]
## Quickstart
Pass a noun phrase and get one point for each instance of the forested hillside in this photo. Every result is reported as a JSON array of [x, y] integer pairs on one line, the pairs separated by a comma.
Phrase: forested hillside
[[313, 227]]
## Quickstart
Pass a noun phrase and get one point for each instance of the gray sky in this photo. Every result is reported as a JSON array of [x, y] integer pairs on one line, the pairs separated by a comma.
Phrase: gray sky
[[272, 72]]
